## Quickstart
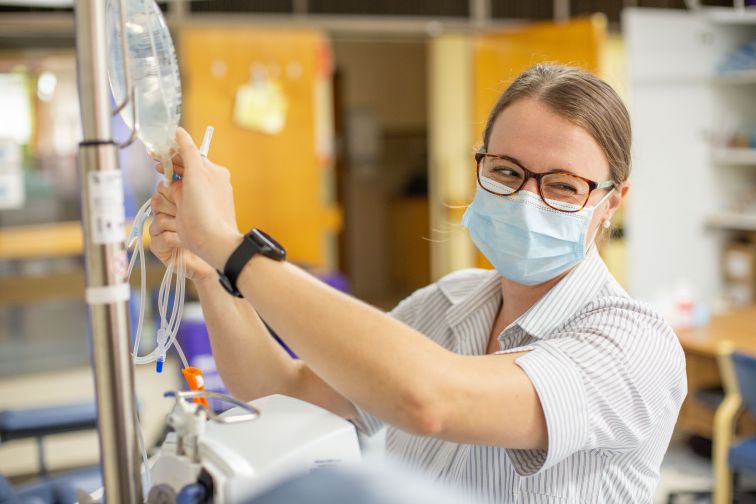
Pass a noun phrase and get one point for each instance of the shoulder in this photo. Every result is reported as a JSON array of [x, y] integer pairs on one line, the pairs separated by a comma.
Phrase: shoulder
[[440, 295], [632, 331]]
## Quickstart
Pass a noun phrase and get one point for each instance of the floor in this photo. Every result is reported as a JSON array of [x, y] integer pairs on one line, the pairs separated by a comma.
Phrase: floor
[[683, 469]]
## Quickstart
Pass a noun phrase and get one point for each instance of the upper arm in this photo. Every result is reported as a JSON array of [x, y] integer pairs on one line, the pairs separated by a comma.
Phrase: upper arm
[[586, 389], [490, 400], [622, 370]]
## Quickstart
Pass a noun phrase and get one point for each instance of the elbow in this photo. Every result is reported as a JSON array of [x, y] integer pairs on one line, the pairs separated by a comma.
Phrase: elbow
[[422, 414], [238, 392]]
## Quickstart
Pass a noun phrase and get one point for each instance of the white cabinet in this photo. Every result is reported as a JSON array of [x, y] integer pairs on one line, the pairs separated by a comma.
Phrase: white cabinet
[[679, 180]]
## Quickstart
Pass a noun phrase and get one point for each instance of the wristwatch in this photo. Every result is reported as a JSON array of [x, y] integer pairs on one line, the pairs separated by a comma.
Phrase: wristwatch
[[255, 242]]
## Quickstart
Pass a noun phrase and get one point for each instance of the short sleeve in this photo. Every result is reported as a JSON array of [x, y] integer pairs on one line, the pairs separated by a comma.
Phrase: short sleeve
[[604, 383], [404, 312]]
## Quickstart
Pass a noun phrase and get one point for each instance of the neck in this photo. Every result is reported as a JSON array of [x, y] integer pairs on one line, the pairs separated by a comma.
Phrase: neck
[[518, 298]]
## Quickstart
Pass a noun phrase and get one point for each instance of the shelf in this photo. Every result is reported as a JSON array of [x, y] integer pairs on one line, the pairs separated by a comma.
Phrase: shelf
[[729, 15], [739, 77], [735, 221], [44, 240], [734, 156]]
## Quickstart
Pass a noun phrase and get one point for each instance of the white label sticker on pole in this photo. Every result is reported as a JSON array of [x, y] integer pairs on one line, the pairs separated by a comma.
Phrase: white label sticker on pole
[[107, 214], [107, 294]]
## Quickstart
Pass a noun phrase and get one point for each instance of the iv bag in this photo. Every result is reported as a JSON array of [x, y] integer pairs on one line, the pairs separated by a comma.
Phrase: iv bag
[[154, 73]]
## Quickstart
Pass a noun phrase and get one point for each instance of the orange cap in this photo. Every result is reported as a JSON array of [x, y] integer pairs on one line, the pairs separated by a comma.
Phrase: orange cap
[[193, 377]]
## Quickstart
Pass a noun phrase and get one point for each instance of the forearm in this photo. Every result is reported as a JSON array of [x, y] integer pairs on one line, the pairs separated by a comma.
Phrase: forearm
[[394, 371], [251, 363], [363, 354]]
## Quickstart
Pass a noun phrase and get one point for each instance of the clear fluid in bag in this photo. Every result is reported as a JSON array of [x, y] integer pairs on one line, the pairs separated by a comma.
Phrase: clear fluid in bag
[[154, 73]]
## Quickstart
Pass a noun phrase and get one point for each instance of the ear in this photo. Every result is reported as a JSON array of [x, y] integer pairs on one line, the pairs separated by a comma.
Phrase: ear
[[617, 197]]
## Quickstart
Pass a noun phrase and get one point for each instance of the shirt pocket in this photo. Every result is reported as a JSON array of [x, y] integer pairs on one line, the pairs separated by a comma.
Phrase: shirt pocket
[[544, 488], [540, 490], [541, 498]]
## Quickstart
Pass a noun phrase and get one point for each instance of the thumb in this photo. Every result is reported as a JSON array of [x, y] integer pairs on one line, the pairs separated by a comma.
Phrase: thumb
[[188, 151]]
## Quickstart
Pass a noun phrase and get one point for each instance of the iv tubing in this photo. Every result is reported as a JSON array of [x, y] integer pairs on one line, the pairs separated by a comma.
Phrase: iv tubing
[[176, 264]]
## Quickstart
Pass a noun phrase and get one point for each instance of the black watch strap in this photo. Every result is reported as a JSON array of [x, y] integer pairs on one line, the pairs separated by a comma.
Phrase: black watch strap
[[254, 242]]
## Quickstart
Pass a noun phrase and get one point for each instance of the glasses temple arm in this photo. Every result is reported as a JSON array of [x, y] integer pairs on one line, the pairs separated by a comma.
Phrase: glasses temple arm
[[605, 185]]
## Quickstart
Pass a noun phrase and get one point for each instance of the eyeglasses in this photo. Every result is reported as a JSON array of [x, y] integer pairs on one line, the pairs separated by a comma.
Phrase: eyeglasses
[[563, 191]]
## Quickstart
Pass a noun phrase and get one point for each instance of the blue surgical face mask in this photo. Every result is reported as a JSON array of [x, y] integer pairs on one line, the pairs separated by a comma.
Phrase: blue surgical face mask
[[527, 241]]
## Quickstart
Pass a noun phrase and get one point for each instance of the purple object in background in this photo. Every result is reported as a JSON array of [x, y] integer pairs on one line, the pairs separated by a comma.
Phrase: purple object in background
[[338, 281]]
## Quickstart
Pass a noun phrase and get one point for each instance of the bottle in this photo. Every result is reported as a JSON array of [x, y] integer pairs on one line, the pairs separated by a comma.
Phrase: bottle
[[154, 73]]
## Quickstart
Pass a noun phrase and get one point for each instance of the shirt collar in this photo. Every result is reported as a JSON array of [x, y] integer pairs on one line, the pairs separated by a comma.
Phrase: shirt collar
[[468, 293], [471, 294], [572, 293]]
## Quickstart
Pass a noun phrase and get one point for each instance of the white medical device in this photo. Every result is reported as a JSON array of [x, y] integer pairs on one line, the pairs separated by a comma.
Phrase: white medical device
[[232, 457]]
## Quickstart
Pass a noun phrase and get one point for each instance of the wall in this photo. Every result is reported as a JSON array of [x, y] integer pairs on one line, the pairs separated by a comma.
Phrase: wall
[[384, 105]]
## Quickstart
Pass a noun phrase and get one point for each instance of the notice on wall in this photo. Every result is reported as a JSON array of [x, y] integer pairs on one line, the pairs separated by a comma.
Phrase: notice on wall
[[261, 104], [107, 215]]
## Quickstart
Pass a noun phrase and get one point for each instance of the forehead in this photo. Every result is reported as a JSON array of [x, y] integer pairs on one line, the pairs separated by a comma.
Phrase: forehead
[[529, 131]]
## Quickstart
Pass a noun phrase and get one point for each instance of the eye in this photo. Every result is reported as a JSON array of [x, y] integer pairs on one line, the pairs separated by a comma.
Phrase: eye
[[562, 187], [505, 171]]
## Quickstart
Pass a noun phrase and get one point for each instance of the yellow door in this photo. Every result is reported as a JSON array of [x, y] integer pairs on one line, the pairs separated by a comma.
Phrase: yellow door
[[267, 93]]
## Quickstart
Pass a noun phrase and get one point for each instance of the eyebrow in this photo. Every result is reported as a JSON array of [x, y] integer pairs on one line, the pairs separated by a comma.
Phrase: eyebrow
[[521, 165]]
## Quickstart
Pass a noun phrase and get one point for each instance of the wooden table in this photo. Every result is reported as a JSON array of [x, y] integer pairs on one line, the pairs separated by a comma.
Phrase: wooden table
[[700, 345]]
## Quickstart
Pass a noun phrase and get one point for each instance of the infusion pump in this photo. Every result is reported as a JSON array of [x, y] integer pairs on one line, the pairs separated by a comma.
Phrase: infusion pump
[[229, 458]]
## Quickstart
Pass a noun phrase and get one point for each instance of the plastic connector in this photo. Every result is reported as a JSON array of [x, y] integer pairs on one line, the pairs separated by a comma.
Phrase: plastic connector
[[137, 227], [195, 381], [162, 339]]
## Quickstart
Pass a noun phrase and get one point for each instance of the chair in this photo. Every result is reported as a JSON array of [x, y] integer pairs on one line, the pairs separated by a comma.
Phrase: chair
[[730, 456], [38, 423], [41, 422]]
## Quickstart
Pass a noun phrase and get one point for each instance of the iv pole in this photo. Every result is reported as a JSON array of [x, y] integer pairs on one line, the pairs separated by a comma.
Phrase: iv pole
[[107, 288]]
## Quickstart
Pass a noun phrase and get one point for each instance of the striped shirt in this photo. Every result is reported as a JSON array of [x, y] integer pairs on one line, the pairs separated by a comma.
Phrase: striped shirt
[[608, 370]]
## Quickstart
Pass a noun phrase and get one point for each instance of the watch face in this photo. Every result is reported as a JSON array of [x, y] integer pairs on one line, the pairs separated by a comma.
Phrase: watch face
[[268, 246]]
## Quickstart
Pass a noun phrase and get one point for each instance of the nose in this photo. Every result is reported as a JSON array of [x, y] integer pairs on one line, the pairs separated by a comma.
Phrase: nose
[[530, 185]]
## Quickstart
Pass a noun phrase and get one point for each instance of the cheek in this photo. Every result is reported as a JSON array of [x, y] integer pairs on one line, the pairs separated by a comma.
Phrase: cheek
[[593, 228], [597, 219]]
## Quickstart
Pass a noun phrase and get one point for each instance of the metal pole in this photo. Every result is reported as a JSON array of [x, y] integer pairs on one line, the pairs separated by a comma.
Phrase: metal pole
[[480, 12], [561, 10], [107, 289]]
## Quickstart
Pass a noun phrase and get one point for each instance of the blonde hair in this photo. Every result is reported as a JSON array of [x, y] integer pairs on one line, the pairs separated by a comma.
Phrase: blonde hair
[[581, 98]]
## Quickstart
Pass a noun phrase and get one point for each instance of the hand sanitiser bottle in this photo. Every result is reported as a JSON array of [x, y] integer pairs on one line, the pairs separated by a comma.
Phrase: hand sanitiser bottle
[[153, 75]]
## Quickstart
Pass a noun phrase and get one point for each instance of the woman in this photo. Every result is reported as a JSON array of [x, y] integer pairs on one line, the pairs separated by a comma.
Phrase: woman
[[541, 381]]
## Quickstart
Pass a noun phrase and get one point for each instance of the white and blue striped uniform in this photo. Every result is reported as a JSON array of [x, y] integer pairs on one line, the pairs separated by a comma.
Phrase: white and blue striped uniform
[[609, 372]]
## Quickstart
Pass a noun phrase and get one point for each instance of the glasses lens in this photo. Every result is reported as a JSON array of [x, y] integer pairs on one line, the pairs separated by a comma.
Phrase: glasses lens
[[500, 176], [564, 192]]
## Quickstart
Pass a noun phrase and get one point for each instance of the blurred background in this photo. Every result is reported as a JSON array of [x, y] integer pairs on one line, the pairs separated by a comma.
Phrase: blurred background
[[349, 129]]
